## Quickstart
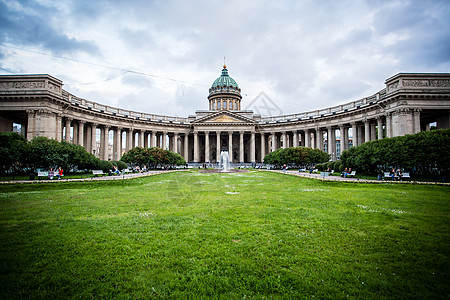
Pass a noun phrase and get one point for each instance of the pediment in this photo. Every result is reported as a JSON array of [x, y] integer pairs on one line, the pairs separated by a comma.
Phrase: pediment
[[224, 117]]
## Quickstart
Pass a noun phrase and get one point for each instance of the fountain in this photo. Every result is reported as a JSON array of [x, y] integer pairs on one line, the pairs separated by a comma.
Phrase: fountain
[[224, 164]]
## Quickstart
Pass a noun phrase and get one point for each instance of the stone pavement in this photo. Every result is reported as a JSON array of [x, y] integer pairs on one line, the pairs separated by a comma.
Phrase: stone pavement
[[97, 178], [354, 180]]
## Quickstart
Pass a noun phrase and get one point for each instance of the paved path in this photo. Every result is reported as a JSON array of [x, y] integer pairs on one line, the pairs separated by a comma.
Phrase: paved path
[[288, 172], [97, 178], [355, 180]]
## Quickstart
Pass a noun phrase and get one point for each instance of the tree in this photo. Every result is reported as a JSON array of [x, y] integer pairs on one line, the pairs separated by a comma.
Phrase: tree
[[152, 157], [423, 153], [13, 151], [296, 156]]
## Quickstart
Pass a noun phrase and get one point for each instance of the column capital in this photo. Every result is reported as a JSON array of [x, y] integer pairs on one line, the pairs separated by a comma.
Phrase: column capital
[[230, 132], [81, 122]]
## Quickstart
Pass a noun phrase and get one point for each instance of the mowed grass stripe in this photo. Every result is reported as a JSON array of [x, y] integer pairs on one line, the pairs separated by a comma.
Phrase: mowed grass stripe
[[233, 235]]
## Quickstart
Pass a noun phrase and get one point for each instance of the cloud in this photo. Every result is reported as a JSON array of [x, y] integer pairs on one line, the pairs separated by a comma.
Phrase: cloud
[[304, 54], [25, 23]]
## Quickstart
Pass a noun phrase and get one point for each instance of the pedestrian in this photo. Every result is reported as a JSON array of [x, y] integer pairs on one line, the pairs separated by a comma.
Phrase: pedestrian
[[60, 173], [51, 173], [392, 173]]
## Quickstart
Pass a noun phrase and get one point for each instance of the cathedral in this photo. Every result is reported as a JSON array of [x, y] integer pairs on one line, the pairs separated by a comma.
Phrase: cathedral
[[408, 103]]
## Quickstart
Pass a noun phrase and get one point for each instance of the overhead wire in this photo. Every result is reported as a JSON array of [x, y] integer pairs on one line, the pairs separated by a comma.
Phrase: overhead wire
[[125, 71]]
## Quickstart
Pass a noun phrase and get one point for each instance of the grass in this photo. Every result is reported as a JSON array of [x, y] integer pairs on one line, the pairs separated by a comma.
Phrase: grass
[[224, 236]]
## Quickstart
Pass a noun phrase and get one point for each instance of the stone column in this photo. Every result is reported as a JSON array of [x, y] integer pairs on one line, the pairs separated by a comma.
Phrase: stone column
[[81, 132], [75, 134], [307, 138], [164, 140], [355, 134], [88, 138], [331, 139], [295, 138], [141, 138], [58, 127], [380, 127], [388, 125], [252, 148], [373, 132], [218, 146], [207, 154], [152, 139], [31, 124], [145, 138], [129, 139], [230, 146], [263, 146], [319, 140], [105, 145], [417, 120], [366, 131], [93, 138], [116, 148], [241, 146], [186, 146], [344, 139], [67, 135], [175, 142], [274, 141], [196, 148], [283, 139]]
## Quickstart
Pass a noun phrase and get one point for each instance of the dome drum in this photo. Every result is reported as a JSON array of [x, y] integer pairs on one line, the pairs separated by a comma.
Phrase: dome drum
[[224, 93]]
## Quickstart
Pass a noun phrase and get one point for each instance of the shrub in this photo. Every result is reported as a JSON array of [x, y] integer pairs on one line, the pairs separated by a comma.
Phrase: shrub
[[424, 153], [296, 157]]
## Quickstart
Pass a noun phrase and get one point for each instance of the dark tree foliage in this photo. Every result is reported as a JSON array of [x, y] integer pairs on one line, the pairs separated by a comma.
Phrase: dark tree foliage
[[152, 157], [424, 153], [48, 153], [296, 157], [18, 155], [120, 165], [13, 151]]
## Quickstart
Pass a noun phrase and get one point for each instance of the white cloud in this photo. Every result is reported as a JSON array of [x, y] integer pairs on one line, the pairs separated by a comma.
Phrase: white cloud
[[303, 54]]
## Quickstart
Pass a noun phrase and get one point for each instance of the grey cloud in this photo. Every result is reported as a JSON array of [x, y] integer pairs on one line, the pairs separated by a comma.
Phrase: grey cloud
[[21, 28]]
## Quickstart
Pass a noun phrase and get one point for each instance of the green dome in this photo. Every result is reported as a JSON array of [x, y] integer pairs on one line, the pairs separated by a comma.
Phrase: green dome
[[225, 81]]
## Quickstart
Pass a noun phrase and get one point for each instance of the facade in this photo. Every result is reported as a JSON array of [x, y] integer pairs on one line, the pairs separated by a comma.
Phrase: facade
[[408, 104]]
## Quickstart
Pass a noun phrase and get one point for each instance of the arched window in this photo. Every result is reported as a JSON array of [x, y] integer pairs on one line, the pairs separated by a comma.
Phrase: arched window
[[224, 104], [218, 105]]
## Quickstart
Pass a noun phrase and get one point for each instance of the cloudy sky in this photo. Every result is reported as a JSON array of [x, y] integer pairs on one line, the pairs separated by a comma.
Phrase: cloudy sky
[[162, 56]]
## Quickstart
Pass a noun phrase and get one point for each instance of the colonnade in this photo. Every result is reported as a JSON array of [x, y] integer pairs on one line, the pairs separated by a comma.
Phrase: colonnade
[[109, 142], [249, 145], [408, 105]]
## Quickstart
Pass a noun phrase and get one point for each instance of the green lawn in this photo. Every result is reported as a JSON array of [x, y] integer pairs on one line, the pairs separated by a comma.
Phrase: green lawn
[[228, 236]]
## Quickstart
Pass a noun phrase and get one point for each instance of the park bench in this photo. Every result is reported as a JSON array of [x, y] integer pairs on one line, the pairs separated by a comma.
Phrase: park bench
[[97, 172], [126, 171], [405, 175], [42, 174], [352, 174]]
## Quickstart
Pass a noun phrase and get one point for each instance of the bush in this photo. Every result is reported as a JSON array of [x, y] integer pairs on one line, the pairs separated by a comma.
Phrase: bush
[[105, 165], [120, 165], [152, 157], [424, 153], [296, 157]]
